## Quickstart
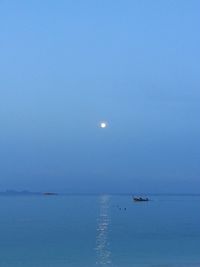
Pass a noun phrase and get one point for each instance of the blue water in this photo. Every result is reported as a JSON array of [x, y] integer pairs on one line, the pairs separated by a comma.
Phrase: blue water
[[89, 231]]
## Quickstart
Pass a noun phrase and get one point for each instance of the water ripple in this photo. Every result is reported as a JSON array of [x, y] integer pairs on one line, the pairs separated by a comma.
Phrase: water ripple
[[102, 242]]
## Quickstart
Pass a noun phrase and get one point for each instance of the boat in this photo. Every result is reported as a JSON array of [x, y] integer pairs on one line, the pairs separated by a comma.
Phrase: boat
[[140, 198]]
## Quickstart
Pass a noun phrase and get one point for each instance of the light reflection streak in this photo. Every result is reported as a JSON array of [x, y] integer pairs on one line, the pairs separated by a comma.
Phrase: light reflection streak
[[102, 242]]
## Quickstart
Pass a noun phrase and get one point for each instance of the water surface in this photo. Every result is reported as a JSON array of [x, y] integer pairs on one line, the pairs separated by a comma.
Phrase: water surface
[[89, 231]]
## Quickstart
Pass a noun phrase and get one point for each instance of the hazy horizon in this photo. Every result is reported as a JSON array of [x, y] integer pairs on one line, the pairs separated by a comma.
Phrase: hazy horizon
[[67, 65], [28, 192]]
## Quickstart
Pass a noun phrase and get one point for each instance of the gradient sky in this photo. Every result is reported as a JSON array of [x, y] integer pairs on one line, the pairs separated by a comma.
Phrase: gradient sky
[[66, 65]]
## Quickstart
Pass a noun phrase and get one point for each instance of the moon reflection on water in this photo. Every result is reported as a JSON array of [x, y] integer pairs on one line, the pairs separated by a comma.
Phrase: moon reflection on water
[[103, 252]]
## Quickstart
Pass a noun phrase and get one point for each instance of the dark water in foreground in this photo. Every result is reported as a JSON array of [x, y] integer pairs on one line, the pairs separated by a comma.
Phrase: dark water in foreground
[[89, 231]]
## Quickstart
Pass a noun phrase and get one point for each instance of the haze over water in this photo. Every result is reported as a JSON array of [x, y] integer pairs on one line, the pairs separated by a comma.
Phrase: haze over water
[[68, 65], [99, 96]]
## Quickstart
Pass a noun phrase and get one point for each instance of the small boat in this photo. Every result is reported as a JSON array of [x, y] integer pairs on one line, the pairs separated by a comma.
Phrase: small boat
[[140, 198]]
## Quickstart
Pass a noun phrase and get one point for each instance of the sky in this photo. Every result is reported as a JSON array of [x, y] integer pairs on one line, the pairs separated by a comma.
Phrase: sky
[[67, 65]]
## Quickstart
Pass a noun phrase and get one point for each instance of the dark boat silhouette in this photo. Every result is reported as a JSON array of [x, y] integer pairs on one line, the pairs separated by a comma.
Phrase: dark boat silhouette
[[140, 199]]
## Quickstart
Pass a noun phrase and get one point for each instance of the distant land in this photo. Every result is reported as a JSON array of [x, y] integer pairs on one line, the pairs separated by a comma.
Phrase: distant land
[[25, 193], [50, 193]]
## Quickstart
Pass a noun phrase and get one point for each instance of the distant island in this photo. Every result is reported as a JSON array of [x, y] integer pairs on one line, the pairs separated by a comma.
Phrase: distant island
[[26, 193], [50, 194]]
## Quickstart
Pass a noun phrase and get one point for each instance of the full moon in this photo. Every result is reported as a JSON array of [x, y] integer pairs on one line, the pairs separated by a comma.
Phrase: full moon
[[103, 124]]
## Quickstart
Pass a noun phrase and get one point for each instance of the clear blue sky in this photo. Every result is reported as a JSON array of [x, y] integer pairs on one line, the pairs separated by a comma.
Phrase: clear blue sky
[[66, 65]]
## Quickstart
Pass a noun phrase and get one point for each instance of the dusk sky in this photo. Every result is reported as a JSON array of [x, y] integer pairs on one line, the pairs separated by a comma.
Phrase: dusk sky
[[67, 65]]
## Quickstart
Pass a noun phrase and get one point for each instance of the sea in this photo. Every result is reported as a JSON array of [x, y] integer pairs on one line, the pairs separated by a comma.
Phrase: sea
[[99, 230]]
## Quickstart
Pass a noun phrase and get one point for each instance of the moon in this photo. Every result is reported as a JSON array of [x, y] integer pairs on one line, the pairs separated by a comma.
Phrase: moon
[[103, 124]]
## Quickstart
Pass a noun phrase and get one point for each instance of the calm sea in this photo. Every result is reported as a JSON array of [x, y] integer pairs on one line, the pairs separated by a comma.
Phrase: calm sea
[[92, 231]]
